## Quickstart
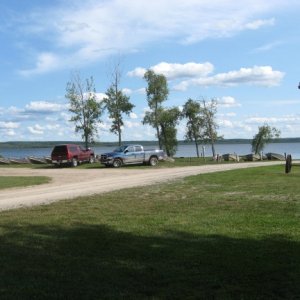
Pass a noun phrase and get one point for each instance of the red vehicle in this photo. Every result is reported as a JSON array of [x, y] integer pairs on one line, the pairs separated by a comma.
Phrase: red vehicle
[[71, 154]]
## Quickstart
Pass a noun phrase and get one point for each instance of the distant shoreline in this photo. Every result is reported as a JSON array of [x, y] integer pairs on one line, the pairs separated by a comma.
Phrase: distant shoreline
[[47, 144]]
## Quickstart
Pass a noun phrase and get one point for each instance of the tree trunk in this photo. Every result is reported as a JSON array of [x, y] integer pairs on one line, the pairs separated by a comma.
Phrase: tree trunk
[[213, 149], [158, 137], [86, 141], [120, 138], [197, 148]]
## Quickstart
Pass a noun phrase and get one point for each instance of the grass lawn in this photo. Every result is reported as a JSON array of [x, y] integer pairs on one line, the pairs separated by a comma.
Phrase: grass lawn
[[229, 235], [21, 181]]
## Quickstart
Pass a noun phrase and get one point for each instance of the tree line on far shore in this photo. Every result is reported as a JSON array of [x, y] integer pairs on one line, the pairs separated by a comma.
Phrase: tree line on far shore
[[200, 115]]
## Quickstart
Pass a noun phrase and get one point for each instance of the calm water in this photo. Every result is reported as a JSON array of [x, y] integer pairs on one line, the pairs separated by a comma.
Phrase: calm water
[[182, 151]]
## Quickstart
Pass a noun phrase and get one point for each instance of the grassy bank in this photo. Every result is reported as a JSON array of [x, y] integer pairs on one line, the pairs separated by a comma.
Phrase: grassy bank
[[21, 181], [230, 235]]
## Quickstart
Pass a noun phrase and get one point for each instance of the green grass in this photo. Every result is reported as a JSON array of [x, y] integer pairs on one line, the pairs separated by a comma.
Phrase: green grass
[[229, 235], [21, 181]]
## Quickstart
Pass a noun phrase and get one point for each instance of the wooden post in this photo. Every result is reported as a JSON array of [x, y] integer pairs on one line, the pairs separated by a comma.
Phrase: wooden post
[[288, 164]]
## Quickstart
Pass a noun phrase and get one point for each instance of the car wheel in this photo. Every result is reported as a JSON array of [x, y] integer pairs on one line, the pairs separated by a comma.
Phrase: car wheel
[[92, 159], [74, 162], [117, 163], [153, 161]]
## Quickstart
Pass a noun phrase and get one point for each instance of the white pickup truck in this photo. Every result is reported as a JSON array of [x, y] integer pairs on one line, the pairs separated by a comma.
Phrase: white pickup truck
[[131, 154]]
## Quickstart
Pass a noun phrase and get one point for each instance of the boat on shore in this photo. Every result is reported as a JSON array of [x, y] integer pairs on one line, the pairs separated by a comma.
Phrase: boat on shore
[[37, 160], [231, 157], [19, 161], [252, 157], [275, 156], [4, 161]]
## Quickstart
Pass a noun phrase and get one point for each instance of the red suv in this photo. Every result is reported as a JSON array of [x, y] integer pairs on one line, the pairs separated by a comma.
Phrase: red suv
[[71, 154]]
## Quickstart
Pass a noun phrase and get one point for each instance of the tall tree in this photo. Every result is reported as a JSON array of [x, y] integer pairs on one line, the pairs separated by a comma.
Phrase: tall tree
[[168, 119], [157, 93], [84, 106], [117, 103], [265, 134], [192, 111], [210, 125]]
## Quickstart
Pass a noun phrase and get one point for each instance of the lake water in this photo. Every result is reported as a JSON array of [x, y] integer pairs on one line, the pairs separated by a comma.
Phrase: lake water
[[182, 151]]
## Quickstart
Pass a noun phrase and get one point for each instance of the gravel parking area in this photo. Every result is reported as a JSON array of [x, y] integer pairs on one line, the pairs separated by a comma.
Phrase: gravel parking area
[[68, 183]]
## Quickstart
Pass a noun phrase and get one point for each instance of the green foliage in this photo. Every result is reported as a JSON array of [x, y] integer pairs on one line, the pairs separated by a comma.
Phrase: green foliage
[[157, 93], [117, 103], [210, 125], [192, 111], [264, 136], [168, 119], [84, 106]]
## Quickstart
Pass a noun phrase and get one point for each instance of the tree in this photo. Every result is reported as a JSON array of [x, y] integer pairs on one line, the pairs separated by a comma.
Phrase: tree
[[265, 134], [192, 111], [117, 103], [157, 92], [210, 125], [84, 106], [168, 119]]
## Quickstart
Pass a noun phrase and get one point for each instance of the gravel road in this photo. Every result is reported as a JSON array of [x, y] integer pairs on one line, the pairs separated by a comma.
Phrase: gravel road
[[68, 183]]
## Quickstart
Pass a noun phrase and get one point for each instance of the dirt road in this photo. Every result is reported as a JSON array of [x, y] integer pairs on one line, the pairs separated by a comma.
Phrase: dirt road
[[69, 183]]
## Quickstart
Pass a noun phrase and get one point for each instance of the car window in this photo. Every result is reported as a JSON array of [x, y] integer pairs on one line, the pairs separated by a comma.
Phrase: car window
[[59, 150], [138, 148], [130, 149], [73, 149]]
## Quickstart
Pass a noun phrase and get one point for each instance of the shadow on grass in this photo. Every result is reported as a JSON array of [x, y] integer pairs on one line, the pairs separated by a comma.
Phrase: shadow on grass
[[95, 262]]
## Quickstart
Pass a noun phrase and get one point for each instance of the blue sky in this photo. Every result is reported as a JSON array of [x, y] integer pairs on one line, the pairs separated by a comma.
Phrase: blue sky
[[245, 54]]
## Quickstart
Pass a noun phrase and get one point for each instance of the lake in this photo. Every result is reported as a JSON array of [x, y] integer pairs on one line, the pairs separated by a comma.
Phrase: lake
[[186, 150]]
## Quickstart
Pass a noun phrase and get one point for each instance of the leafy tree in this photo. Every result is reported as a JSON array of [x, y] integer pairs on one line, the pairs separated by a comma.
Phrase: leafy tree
[[210, 125], [192, 111], [265, 134], [157, 92], [168, 119], [84, 106], [117, 103]]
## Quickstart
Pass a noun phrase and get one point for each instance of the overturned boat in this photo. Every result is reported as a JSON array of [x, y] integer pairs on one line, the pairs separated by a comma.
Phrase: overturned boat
[[275, 156], [4, 161], [231, 157], [19, 161], [37, 160]]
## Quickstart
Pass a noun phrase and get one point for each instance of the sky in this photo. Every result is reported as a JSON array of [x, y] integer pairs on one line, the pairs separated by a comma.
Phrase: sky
[[242, 53]]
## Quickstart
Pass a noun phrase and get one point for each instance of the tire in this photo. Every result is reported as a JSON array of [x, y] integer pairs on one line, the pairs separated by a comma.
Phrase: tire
[[153, 161], [74, 162], [92, 159], [117, 163]]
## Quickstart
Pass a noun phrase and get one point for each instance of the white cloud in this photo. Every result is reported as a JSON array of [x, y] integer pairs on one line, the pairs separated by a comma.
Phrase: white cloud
[[257, 75], [36, 129], [43, 107], [225, 123], [9, 125], [256, 24], [228, 101], [137, 72], [130, 124], [133, 115], [176, 70], [46, 62], [267, 47], [127, 91], [85, 32], [273, 120]]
